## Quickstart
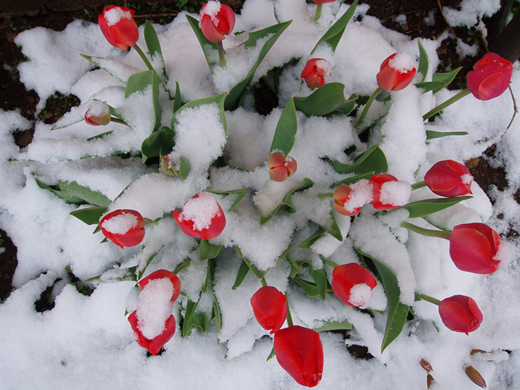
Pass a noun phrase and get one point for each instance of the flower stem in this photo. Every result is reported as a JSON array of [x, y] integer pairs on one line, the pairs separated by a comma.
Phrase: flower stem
[[318, 12], [427, 298], [221, 54], [289, 316], [264, 283], [426, 232], [419, 184], [143, 56], [447, 103], [367, 106]]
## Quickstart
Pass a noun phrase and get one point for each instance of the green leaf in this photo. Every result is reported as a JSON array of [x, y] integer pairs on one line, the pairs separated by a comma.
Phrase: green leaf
[[202, 321], [396, 311], [58, 192], [334, 34], [218, 99], [177, 102], [116, 69], [240, 194], [286, 128], [334, 325], [243, 270], [184, 169], [425, 207], [352, 180], [309, 242], [159, 143], [153, 44], [188, 316], [216, 308], [138, 82], [90, 215], [321, 282], [326, 100], [439, 81], [259, 274], [424, 62], [99, 135], [431, 134], [73, 189], [275, 31], [209, 48], [208, 251], [310, 288], [371, 160]]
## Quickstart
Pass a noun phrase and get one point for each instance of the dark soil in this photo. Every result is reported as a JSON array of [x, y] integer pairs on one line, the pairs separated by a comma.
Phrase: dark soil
[[56, 15]]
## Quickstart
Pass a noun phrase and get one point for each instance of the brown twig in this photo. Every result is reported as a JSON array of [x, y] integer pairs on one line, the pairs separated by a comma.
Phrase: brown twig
[[449, 26]]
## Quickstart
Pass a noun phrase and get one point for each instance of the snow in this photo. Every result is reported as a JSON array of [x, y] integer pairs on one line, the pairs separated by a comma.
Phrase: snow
[[114, 15], [86, 342], [154, 307]]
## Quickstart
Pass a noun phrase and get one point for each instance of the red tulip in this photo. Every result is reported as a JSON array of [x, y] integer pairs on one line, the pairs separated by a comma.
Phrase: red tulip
[[201, 217], [216, 21], [353, 284], [396, 72], [98, 114], [389, 193], [449, 178], [490, 77], [460, 314], [323, 1], [270, 308], [474, 247], [161, 274], [280, 166], [154, 345], [317, 71], [118, 26], [123, 227], [348, 199], [300, 352]]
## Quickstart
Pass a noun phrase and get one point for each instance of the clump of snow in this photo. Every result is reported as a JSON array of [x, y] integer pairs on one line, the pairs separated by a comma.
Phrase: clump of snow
[[200, 210], [114, 15], [395, 193], [360, 294], [402, 62], [362, 194], [120, 224], [154, 307]]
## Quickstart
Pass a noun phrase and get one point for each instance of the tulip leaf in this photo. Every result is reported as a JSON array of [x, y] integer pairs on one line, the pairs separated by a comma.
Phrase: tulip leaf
[[115, 275], [153, 44], [98, 136], [354, 179], [116, 69], [209, 48], [138, 82], [177, 102], [286, 128], [259, 274], [218, 99], [58, 192], [439, 81], [333, 35], [208, 251], [310, 288], [424, 62], [90, 215], [425, 207], [217, 314], [188, 315], [239, 194], [307, 244], [202, 321], [243, 270], [321, 282], [334, 325], [371, 160], [185, 168], [275, 31], [431, 134], [326, 100], [396, 311], [159, 143], [73, 189]]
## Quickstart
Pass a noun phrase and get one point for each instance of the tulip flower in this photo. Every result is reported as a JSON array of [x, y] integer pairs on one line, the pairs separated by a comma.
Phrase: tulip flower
[[299, 351], [353, 284], [118, 26], [280, 166], [490, 77], [98, 114], [163, 274], [460, 314], [389, 193], [449, 178], [477, 248], [348, 199], [270, 308], [155, 344], [316, 73], [201, 217], [396, 73], [123, 227], [216, 21]]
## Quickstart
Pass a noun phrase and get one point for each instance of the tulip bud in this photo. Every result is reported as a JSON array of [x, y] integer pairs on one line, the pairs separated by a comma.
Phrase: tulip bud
[[323, 1], [118, 26], [123, 227], [98, 114], [477, 248], [348, 199], [317, 71], [389, 193], [280, 166], [449, 178], [216, 21], [353, 284], [429, 380], [426, 365], [270, 308], [300, 352], [163, 274], [460, 314], [490, 77], [201, 217], [171, 164], [475, 376], [396, 72]]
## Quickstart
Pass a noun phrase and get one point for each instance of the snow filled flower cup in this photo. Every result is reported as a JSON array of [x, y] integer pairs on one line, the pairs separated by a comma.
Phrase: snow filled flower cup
[[118, 26], [270, 308], [316, 73], [300, 352], [281, 167], [123, 227], [152, 322], [389, 193], [449, 178], [460, 314], [353, 284], [201, 217], [396, 72], [490, 77], [98, 114], [216, 21], [348, 199]]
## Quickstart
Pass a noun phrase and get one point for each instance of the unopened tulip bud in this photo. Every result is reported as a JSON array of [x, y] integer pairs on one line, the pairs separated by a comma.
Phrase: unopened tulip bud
[[429, 380], [124, 227], [449, 178], [490, 77], [216, 21], [280, 166], [475, 376], [353, 284], [118, 26], [171, 164], [389, 193], [317, 72], [460, 314], [270, 308], [426, 365], [348, 199], [396, 72], [98, 114]]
